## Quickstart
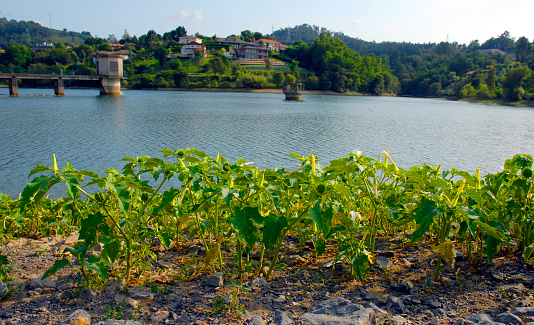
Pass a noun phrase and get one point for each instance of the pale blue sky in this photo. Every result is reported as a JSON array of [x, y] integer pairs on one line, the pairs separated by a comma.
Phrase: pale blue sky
[[387, 20]]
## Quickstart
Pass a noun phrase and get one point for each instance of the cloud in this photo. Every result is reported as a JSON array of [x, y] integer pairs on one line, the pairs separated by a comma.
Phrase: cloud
[[355, 22], [188, 16]]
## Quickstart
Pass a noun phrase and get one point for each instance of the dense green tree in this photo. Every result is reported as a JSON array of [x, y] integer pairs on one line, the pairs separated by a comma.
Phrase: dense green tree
[[513, 82], [18, 55], [523, 49], [278, 78], [175, 34], [181, 78]]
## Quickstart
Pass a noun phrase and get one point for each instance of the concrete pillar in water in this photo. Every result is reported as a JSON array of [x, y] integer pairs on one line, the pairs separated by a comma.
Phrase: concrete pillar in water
[[110, 86], [59, 87], [109, 69], [13, 87]]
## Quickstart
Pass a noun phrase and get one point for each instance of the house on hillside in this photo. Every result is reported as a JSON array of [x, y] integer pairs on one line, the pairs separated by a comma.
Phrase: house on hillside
[[188, 39], [116, 46], [253, 50], [233, 43], [272, 45], [188, 50], [42, 46], [492, 51]]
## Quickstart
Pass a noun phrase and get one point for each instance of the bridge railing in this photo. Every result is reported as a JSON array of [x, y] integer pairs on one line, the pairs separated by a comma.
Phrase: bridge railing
[[49, 71]]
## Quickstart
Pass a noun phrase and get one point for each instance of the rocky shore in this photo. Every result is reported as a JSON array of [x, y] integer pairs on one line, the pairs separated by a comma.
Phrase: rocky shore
[[398, 290]]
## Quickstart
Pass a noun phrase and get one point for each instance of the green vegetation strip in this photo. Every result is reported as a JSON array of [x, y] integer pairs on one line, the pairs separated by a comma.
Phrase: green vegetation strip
[[223, 204]]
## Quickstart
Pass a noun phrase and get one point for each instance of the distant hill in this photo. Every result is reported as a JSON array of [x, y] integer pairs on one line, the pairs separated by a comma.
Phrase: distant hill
[[308, 33], [29, 32]]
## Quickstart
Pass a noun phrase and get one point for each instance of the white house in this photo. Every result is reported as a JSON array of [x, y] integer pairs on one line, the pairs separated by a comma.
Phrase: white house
[[189, 49]]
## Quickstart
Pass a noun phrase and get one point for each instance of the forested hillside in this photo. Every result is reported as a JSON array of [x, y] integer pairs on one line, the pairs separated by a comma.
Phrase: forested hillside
[[499, 68], [14, 32]]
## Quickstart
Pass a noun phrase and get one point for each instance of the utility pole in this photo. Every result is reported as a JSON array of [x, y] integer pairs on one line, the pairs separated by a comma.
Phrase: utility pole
[[50, 20]]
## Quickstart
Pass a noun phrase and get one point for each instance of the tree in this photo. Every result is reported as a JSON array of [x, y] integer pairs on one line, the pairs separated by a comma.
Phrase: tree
[[512, 84], [247, 35], [291, 78], [160, 54], [278, 78], [18, 55], [181, 78], [217, 65], [174, 35], [112, 39], [523, 49], [198, 58]]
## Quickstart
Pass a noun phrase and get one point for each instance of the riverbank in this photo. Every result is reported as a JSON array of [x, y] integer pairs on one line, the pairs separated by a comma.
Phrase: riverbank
[[499, 102]]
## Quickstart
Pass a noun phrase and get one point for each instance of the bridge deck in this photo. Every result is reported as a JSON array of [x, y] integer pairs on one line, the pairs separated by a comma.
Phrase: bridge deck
[[48, 76]]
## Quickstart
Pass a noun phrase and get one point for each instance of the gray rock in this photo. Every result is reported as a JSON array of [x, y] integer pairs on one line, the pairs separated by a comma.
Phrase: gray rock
[[508, 319], [339, 310], [216, 279], [258, 282], [143, 295], [16, 284], [523, 311], [163, 264], [413, 299], [281, 298], [383, 262], [119, 322], [79, 317], [257, 320], [281, 318], [159, 316], [397, 320], [39, 283], [434, 304], [395, 304], [512, 288], [378, 311], [88, 294], [482, 319], [433, 321], [522, 278], [3, 288], [402, 285]]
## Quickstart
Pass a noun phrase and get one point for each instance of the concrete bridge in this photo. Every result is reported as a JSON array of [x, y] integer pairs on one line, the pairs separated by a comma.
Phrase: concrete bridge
[[109, 74]]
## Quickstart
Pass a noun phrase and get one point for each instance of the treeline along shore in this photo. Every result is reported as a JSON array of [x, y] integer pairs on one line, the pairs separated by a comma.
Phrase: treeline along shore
[[499, 69]]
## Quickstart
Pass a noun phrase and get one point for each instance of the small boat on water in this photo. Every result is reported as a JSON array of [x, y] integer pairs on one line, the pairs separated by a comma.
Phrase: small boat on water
[[293, 91]]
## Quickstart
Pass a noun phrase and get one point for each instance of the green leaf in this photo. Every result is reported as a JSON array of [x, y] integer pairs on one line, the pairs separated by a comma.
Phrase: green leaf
[[272, 229], [166, 152], [37, 188], [424, 215], [168, 197], [493, 246], [242, 223], [90, 226], [113, 249], [59, 264], [323, 220], [72, 184], [123, 194], [39, 169]]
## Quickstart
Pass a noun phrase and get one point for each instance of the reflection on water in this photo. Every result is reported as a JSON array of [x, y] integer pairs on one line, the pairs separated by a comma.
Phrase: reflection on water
[[94, 132]]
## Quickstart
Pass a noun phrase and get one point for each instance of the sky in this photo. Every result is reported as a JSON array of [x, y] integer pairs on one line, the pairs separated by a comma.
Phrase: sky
[[416, 21]]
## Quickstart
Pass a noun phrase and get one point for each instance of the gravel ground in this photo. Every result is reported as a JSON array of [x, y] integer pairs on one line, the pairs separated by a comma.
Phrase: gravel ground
[[398, 284]]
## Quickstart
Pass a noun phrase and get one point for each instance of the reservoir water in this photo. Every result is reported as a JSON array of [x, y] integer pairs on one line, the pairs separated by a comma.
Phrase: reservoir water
[[94, 132]]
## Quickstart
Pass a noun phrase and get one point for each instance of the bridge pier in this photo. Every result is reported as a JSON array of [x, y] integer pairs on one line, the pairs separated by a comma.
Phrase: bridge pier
[[13, 87], [110, 86], [59, 87]]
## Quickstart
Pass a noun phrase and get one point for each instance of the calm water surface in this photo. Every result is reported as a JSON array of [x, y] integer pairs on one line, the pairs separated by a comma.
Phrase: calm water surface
[[95, 132]]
